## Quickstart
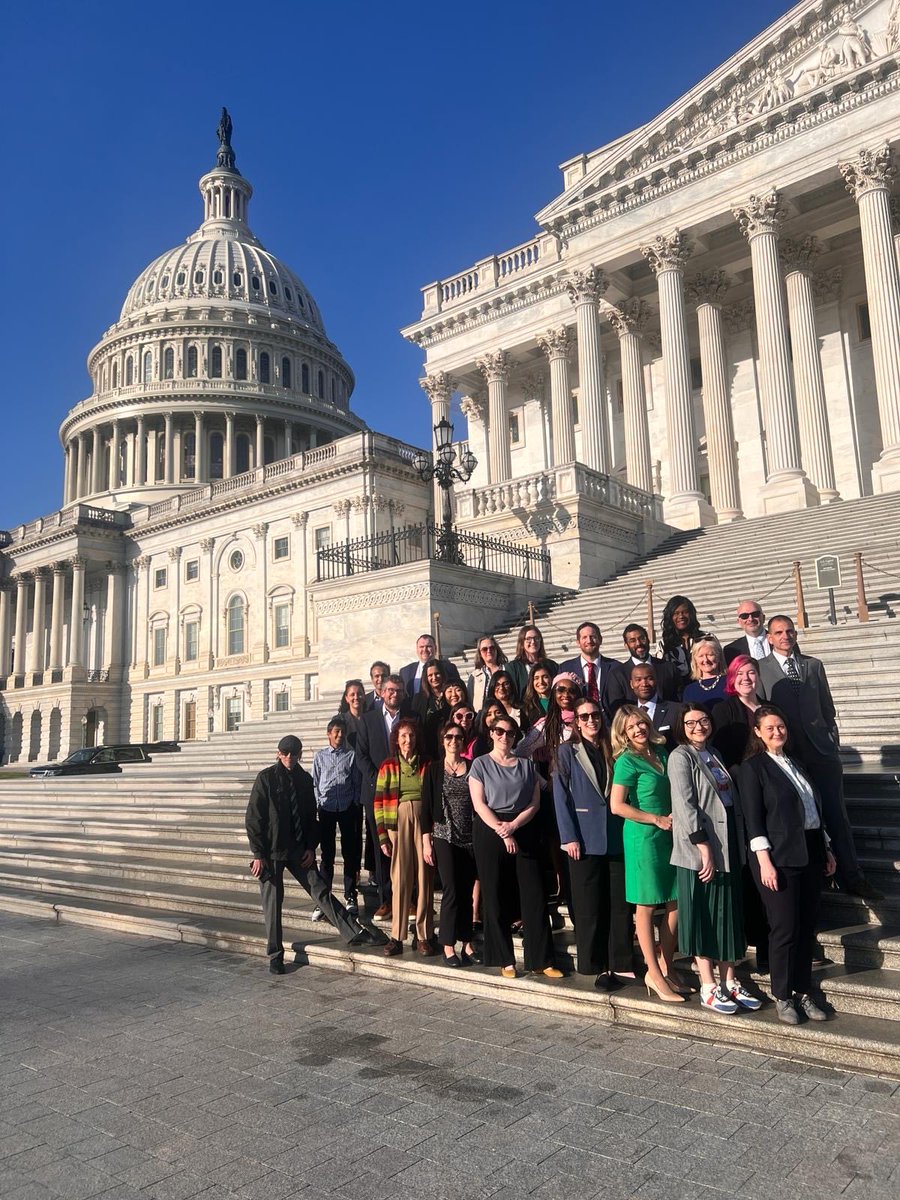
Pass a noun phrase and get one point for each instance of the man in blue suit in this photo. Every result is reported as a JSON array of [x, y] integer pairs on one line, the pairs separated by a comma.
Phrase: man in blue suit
[[593, 669]]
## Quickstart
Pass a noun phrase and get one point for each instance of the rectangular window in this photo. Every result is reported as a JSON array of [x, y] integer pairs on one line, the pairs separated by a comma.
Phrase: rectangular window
[[282, 625], [159, 646], [191, 641], [156, 723], [863, 323], [191, 570], [323, 537], [160, 577], [696, 375], [190, 720], [232, 713], [516, 427], [620, 396], [575, 420], [282, 701], [281, 548]]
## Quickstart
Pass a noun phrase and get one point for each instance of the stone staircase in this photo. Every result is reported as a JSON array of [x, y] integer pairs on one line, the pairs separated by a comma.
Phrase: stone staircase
[[160, 850]]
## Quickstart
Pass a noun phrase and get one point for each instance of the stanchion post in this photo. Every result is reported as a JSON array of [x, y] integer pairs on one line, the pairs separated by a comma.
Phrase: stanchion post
[[862, 606], [648, 584], [436, 617], [801, 603]]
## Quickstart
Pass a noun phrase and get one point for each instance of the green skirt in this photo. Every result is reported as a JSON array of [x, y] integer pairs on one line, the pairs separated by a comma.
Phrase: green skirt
[[711, 915]]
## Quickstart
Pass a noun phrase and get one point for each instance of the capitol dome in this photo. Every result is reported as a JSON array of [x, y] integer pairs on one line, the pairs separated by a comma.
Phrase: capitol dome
[[219, 364]]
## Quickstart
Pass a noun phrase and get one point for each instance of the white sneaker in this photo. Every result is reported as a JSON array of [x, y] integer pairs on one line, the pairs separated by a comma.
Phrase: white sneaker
[[736, 990], [712, 996], [317, 915]]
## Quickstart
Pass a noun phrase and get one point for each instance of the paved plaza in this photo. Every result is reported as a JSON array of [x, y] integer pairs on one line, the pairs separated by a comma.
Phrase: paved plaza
[[132, 1067]]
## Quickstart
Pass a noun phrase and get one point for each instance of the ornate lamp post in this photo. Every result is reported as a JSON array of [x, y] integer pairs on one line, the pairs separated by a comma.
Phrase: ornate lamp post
[[447, 468]]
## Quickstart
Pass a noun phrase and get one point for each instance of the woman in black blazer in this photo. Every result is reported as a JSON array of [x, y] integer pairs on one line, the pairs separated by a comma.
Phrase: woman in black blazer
[[789, 855], [732, 718]]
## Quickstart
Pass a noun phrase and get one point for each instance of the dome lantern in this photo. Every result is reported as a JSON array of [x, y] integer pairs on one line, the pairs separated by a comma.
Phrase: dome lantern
[[226, 194]]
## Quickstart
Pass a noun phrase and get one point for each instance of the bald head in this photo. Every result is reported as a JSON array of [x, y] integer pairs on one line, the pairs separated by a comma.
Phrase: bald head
[[750, 617]]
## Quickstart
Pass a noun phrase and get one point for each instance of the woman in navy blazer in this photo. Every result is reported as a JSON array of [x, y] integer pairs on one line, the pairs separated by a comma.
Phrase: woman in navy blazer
[[592, 838], [789, 855]]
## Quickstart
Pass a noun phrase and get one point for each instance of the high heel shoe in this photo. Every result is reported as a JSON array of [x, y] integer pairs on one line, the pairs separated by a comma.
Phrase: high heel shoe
[[651, 987], [681, 986]]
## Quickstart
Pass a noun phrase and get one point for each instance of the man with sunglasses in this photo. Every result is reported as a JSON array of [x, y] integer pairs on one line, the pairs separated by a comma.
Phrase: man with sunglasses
[[754, 639]]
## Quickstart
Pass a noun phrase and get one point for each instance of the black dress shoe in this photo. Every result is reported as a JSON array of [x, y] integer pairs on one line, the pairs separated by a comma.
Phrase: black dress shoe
[[276, 966], [453, 961], [468, 959], [604, 982]]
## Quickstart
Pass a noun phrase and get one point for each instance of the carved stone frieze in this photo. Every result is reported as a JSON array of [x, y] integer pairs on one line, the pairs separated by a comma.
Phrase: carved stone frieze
[[869, 170], [667, 252], [761, 214], [586, 285], [707, 287]]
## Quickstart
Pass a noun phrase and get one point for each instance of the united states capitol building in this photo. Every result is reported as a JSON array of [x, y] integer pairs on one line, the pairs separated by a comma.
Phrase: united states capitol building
[[704, 328]]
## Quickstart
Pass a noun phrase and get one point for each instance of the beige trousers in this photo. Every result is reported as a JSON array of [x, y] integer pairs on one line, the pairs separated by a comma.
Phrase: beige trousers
[[408, 868]]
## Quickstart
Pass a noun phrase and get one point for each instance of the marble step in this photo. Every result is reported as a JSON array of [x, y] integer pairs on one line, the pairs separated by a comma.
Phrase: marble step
[[850, 1041]]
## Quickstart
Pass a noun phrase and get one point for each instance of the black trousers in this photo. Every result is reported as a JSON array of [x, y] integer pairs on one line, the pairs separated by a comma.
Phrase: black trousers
[[505, 878], [348, 822], [457, 869], [604, 933], [793, 912], [827, 774], [272, 894], [382, 864]]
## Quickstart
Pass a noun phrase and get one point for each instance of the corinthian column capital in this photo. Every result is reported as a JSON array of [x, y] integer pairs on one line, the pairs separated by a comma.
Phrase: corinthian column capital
[[494, 366], [800, 254], [667, 252], [631, 316], [708, 287], [871, 169], [586, 285], [437, 386], [556, 343], [472, 407], [761, 214]]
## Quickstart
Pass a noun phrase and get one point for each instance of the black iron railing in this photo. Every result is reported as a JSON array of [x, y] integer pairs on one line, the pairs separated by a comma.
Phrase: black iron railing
[[416, 543]]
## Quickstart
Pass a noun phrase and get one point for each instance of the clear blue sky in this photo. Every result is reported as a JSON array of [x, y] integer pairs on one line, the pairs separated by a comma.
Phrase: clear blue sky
[[388, 144]]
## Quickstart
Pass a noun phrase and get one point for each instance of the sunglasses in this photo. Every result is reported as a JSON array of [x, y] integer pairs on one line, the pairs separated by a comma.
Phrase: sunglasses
[[566, 691], [749, 616], [591, 716], [502, 732], [453, 737]]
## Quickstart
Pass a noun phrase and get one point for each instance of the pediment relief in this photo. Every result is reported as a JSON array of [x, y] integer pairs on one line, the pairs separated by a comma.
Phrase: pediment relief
[[815, 48]]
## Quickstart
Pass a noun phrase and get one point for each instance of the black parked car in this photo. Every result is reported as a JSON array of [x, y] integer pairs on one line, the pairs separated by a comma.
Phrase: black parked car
[[93, 760]]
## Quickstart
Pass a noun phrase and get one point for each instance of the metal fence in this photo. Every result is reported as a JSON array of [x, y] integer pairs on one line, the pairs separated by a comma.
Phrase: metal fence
[[417, 543]]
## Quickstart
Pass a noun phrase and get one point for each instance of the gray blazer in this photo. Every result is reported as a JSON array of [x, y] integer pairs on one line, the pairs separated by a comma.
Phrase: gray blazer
[[698, 814]]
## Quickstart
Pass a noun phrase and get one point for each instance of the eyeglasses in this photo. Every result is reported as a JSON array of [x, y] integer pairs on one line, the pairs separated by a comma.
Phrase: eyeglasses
[[504, 733], [591, 716], [699, 721], [749, 616]]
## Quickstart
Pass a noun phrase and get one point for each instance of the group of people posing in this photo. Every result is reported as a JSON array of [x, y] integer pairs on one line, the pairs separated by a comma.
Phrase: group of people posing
[[694, 779]]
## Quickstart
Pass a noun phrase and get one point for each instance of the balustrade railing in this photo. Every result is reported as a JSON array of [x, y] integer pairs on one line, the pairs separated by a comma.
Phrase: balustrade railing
[[531, 491]]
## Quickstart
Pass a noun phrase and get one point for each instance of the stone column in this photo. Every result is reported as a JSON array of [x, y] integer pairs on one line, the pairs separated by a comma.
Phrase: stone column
[[629, 320], [685, 505], [229, 463], [556, 344], [5, 644], [83, 484], [787, 486], [96, 462], [585, 288], [67, 472], [199, 449], [438, 388], [815, 442], [113, 480], [140, 454], [169, 448], [178, 455], [76, 619], [260, 442], [706, 291], [22, 582], [57, 608], [495, 369], [868, 178], [115, 616], [38, 624], [288, 439]]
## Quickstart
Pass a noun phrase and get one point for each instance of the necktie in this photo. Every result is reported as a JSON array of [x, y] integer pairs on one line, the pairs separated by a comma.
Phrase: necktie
[[790, 669], [644, 709], [593, 693]]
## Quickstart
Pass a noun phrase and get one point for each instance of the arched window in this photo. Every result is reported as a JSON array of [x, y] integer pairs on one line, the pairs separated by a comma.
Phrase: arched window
[[191, 372], [265, 368], [216, 456], [237, 279], [168, 363], [286, 372], [320, 381], [304, 378], [240, 364], [148, 367], [115, 375], [242, 453], [235, 617], [215, 363], [217, 276], [129, 371]]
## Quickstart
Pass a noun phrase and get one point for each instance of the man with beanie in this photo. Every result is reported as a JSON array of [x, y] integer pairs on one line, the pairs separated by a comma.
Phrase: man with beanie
[[284, 833]]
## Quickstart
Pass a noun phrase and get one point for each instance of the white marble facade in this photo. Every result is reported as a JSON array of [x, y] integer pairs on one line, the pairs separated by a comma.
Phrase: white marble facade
[[710, 309]]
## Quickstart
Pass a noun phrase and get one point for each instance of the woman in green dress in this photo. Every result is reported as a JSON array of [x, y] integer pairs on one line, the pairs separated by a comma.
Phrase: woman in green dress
[[640, 794]]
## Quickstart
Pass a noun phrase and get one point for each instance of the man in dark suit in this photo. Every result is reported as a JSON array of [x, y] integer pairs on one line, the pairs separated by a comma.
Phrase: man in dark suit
[[796, 683], [372, 747], [663, 714], [411, 674], [753, 640], [593, 669], [637, 642], [378, 673]]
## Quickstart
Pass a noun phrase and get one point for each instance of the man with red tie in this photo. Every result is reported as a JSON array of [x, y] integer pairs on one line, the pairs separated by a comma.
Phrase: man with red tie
[[594, 669]]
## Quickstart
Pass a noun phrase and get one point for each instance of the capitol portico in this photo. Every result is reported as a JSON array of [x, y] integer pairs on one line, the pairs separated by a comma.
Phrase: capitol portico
[[710, 311]]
